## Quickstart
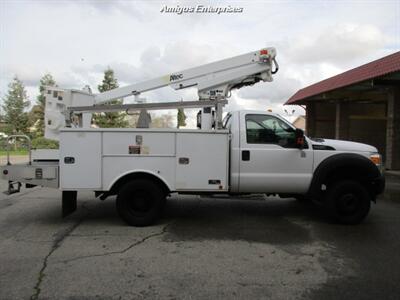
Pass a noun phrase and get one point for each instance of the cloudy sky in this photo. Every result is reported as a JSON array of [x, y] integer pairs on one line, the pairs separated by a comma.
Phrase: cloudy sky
[[76, 40]]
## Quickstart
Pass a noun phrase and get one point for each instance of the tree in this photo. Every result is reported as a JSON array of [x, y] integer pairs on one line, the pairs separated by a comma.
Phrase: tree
[[181, 118], [163, 121], [15, 103], [109, 119], [37, 115]]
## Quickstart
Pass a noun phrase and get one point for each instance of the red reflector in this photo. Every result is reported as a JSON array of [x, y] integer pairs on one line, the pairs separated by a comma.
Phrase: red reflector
[[264, 52]]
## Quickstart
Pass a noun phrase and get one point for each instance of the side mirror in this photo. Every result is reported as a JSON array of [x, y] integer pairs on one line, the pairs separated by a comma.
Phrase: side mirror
[[299, 136]]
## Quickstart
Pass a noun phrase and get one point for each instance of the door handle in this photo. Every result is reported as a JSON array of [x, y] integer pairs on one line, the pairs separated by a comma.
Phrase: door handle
[[245, 155]]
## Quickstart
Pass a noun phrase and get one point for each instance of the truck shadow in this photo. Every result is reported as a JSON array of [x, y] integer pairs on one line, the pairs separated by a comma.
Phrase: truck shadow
[[277, 221], [191, 218], [280, 221]]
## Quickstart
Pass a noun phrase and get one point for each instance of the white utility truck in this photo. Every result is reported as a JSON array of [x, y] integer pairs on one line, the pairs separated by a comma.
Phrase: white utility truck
[[247, 152]]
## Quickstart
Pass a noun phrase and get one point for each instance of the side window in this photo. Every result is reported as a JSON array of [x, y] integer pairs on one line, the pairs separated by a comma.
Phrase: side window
[[266, 129]]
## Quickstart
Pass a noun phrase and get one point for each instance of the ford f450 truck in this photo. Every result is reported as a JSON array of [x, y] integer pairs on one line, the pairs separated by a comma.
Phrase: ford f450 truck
[[246, 152]]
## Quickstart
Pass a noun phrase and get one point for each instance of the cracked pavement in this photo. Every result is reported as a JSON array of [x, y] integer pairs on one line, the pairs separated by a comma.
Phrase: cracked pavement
[[202, 248]]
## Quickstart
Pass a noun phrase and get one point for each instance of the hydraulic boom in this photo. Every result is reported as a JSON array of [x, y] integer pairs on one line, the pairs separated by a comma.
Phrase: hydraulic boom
[[214, 81]]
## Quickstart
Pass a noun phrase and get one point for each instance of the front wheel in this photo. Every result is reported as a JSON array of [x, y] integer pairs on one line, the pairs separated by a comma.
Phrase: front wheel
[[348, 202], [140, 202]]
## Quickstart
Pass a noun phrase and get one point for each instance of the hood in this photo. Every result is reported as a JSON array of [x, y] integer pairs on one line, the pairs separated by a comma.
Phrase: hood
[[340, 145]]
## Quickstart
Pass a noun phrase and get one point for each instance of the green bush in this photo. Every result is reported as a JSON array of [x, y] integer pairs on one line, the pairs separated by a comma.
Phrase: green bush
[[43, 143]]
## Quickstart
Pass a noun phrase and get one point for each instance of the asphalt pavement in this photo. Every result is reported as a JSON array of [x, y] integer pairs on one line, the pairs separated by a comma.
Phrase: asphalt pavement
[[203, 248]]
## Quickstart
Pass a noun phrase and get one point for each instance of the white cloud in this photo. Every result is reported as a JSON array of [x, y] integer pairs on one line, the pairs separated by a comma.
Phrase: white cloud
[[111, 7], [77, 41], [275, 92], [339, 44]]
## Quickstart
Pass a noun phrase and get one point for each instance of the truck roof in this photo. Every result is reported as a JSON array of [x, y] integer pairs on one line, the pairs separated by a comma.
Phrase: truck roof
[[264, 112]]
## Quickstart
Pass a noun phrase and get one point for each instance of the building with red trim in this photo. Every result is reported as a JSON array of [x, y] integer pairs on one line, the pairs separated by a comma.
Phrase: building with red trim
[[362, 105]]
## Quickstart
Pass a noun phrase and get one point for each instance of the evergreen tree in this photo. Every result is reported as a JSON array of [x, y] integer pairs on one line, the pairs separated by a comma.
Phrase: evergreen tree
[[37, 114], [181, 118], [15, 103], [109, 119], [163, 121]]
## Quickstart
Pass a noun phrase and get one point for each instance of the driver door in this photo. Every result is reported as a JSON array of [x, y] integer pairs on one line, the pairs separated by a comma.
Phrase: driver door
[[269, 158]]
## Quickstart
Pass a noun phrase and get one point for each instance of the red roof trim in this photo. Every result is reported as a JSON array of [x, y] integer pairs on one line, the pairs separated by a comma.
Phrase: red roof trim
[[379, 67]]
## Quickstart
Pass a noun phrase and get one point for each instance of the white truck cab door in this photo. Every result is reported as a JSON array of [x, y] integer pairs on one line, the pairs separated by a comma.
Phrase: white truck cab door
[[270, 161]]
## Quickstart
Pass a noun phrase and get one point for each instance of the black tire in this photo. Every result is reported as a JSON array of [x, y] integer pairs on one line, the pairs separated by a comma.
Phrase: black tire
[[348, 202], [140, 202]]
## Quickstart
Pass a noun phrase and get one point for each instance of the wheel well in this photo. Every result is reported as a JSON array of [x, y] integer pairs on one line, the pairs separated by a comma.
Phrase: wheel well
[[138, 175], [345, 166], [347, 173]]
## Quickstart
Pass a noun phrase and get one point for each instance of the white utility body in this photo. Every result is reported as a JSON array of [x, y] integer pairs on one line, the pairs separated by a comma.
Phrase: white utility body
[[247, 152], [177, 157]]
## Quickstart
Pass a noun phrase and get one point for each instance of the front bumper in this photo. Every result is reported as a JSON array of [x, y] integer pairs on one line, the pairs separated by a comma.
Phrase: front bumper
[[378, 184]]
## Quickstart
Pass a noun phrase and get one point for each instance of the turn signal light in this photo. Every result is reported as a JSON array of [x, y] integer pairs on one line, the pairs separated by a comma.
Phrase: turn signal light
[[376, 159]]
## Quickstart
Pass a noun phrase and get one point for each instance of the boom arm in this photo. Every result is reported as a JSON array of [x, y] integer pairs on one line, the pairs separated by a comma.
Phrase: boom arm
[[214, 81]]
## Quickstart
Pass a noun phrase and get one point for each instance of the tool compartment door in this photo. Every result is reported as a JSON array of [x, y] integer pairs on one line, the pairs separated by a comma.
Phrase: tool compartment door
[[80, 160], [202, 161]]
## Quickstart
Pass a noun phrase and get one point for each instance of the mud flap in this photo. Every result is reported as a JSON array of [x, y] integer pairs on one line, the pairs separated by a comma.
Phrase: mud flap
[[68, 202]]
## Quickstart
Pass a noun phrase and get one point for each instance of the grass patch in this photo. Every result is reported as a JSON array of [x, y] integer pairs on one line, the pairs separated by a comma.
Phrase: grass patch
[[14, 152]]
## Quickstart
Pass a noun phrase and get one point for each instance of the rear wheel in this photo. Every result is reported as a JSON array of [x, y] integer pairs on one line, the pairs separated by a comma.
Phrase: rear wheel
[[348, 202], [140, 202]]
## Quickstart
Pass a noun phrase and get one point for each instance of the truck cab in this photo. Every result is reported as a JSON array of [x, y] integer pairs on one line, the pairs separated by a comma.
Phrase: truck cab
[[269, 155], [264, 155]]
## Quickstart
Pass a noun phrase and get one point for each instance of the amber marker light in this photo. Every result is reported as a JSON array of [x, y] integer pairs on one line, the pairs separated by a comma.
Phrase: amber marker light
[[376, 159]]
